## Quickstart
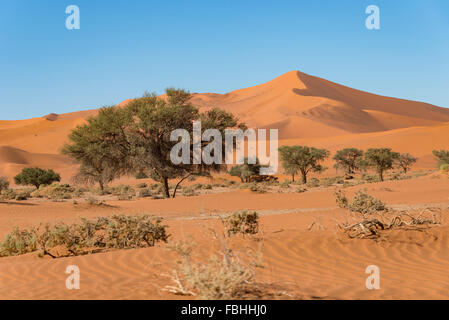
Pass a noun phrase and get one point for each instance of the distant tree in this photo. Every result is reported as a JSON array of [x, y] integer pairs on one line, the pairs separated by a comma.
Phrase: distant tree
[[246, 170], [348, 159], [381, 159], [302, 159], [4, 183], [442, 156], [100, 147], [36, 177], [405, 161]]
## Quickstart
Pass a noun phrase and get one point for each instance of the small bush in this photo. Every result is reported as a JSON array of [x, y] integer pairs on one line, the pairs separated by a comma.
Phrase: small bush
[[18, 242], [243, 222], [301, 190], [188, 192], [57, 192], [141, 185], [144, 193], [207, 187], [4, 183], [197, 186], [362, 202], [7, 194], [284, 184], [223, 277], [313, 183], [444, 167], [258, 187], [370, 178], [140, 175]]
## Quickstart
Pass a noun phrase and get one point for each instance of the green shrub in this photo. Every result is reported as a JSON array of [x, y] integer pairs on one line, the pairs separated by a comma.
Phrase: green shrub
[[444, 167], [36, 177], [243, 222]]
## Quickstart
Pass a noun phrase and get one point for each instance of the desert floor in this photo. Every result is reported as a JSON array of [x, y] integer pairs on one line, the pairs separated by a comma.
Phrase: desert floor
[[304, 255]]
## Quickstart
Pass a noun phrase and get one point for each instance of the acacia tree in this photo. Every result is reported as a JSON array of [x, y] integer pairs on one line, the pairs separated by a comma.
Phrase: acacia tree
[[302, 159], [348, 159], [149, 135], [100, 147], [36, 177], [442, 156], [381, 159], [405, 161]]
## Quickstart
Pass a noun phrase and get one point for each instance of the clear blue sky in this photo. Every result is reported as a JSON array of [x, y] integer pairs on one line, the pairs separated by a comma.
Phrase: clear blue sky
[[126, 47]]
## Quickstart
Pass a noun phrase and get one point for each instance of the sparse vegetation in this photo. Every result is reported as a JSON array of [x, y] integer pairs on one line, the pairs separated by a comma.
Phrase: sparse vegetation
[[373, 227], [361, 202], [87, 236], [243, 222]]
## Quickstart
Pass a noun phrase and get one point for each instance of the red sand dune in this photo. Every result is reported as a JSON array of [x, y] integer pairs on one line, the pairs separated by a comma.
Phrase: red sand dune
[[305, 109]]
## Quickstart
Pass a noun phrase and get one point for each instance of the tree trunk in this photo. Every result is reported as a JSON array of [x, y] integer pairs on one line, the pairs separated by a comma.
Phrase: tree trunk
[[293, 177], [179, 182], [304, 177], [381, 175], [101, 186], [165, 189]]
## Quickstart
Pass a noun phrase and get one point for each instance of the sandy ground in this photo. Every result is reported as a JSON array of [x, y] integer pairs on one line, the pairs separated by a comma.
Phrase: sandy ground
[[312, 264]]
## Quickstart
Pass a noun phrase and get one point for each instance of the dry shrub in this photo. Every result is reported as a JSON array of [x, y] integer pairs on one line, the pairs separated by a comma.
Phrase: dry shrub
[[188, 192], [372, 227], [57, 192], [361, 202], [243, 222], [258, 187], [4, 183], [313, 183], [223, 276], [18, 242], [87, 236]]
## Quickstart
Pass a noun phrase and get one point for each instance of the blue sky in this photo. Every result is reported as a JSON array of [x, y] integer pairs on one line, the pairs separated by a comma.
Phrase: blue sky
[[126, 47]]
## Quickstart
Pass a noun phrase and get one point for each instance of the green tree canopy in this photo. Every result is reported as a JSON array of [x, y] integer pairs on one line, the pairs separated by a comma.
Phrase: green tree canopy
[[100, 147], [405, 161], [348, 159], [381, 159], [36, 177], [442, 156], [302, 159]]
